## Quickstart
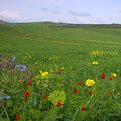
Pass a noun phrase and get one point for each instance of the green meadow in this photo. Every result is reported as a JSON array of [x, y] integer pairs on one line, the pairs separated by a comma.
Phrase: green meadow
[[69, 43], [73, 72]]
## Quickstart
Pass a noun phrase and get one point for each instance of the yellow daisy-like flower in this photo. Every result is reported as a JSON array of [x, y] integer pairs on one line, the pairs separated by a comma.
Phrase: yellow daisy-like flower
[[44, 74], [114, 75], [95, 63], [90, 82]]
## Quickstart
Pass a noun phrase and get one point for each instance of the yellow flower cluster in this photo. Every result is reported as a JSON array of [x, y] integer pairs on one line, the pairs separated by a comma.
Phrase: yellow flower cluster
[[97, 53], [114, 75], [53, 58], [40, 71], [95, 63], [90, 82], [44, 74]]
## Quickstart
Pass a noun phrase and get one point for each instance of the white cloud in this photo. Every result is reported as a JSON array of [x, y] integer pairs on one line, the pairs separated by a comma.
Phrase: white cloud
[[77, 14], [11, 16]]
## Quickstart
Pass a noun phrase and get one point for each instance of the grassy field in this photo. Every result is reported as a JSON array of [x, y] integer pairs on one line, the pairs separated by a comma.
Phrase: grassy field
[[71, 55]]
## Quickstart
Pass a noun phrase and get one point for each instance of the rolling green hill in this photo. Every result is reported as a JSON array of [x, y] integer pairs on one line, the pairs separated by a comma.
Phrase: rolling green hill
[[65, 40]]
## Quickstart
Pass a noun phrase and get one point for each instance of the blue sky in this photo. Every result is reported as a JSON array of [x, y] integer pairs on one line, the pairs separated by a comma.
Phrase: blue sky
[[68, 11]]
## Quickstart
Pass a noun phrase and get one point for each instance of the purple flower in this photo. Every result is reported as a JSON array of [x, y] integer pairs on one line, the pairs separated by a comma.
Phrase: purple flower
[[4, 97], [21, 67]]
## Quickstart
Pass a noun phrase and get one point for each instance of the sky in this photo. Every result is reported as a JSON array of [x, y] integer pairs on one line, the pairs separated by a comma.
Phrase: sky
[[66, 11]]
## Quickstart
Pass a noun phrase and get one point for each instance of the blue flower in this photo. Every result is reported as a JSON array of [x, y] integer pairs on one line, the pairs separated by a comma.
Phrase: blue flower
[[5, 97], [21, 67]]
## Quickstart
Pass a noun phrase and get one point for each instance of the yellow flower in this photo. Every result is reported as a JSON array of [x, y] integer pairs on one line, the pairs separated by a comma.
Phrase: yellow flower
[[33, 79], [114, 75], [90, 82], [44, 74], [62, 68], [40, 71], [95, 63], [5, 81], [20, 80]]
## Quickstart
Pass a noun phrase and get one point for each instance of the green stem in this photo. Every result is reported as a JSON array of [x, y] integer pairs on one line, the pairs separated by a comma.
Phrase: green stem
[[18, 91], [89, 100], [5, 112]]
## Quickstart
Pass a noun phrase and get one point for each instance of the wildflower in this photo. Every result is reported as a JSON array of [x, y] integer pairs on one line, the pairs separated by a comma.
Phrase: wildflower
[[83, 108], [23, 68], [110, 78], [62, 68], [114, 75], [58, 71], [33, 79], [12, 58], [28, 83], [40, 71], [20, 80], [95, 63], [5, 97], [79, 83], [5, 81], [90, 92], [17, 117], [44, 74], [27, 94], [90, 82], [44, 97], [103, 76], [75, 90], [58, 104]]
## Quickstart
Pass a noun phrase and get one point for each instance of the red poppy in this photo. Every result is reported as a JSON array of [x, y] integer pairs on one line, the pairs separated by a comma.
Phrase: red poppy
[[28, 83], [110, 78], [75, 90], [44, 97], [103, 76], [27, 94], [17, 117], [58, 72], [80, 83], [90, 92], [83, 108], [58, 104]]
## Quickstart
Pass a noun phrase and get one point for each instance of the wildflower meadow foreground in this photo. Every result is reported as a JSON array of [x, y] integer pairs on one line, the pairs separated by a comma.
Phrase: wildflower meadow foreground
[[44, 90]]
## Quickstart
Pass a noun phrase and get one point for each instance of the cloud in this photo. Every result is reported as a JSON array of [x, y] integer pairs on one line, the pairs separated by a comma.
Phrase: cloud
[[78, 14], [11, 16], [54, 10]]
